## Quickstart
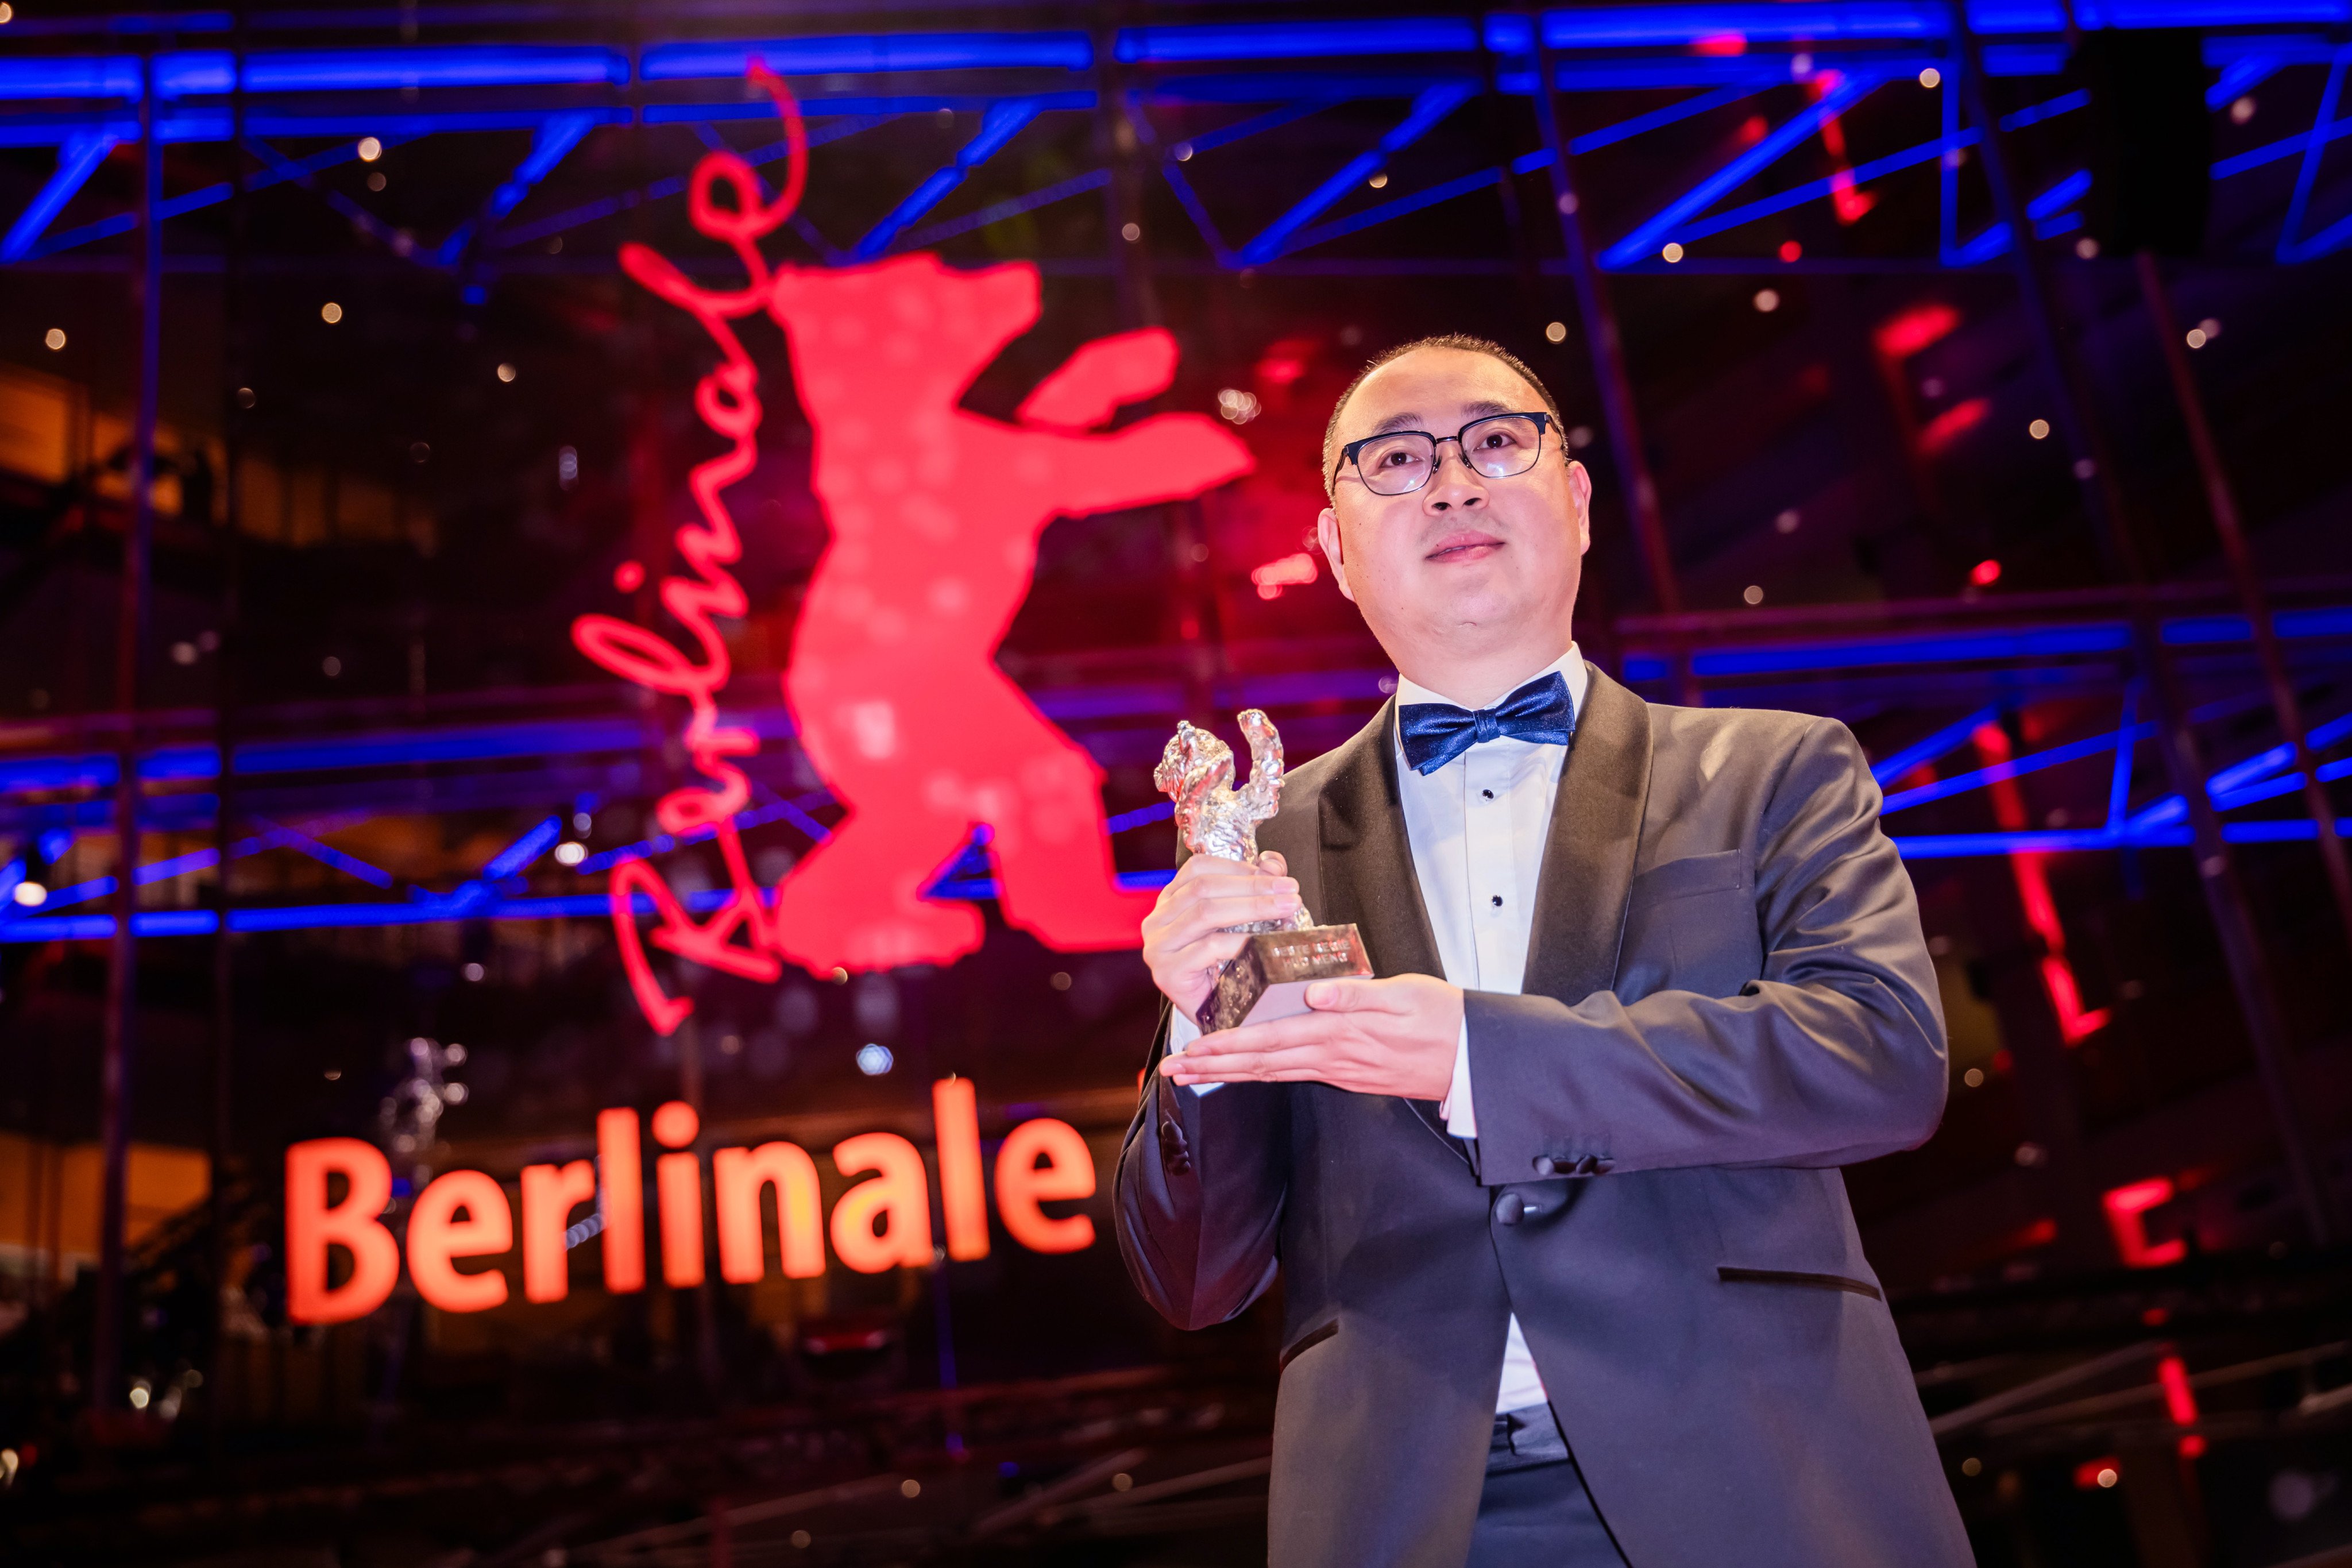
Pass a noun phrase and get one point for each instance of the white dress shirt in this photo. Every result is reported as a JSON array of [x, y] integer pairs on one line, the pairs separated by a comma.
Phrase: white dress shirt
[[1478, 826]]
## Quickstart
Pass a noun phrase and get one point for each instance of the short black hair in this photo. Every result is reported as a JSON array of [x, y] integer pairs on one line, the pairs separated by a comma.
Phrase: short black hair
[[1461, 341]]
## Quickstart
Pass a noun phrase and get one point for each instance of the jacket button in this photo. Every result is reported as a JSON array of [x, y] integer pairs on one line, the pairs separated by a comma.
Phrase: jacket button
[[1175, 1154], [1509, 1208], [1544, 1166]]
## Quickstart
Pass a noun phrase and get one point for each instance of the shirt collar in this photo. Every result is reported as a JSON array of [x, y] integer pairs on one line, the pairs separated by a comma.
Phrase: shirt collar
[[1570, 665]]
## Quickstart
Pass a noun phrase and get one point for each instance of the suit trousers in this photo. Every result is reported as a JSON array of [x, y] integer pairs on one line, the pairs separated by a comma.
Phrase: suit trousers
[[1535, 1511]]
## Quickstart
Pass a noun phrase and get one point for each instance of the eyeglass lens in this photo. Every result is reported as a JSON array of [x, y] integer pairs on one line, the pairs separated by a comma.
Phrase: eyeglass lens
[[1497, 448]]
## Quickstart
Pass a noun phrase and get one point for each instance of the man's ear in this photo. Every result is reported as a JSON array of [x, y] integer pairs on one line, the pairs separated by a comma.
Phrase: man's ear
[[1579, 485], [1327, 534]]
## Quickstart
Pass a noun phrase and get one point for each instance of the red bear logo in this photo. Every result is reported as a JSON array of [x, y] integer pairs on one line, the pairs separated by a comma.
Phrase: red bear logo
[[936, 513]]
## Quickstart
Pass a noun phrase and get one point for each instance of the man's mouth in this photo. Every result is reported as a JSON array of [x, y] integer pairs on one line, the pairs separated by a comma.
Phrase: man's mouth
[[1467, 545]]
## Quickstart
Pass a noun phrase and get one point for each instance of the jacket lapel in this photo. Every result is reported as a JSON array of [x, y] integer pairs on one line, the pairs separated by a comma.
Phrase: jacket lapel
[[1596, 833], [1367, 870], [1367, 864]]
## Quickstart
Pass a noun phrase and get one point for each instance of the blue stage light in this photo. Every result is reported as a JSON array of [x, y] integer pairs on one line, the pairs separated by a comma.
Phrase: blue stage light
[[453, 65], [2055, 642], [867, 52], [70, 76], [1297, 41]]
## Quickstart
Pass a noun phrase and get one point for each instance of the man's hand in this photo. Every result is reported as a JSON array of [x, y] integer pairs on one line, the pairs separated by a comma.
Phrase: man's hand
[[1184, 936], [1371, 1036]]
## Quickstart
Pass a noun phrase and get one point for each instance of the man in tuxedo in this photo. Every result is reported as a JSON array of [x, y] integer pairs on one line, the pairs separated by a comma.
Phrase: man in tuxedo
[[1570, 1277]]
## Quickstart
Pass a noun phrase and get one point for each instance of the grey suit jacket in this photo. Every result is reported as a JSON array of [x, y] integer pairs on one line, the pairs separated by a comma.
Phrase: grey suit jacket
[[1726, 997]]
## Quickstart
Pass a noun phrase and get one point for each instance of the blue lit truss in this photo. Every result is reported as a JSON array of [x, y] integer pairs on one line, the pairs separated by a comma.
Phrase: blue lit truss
[[84, 104], [1416, 72], [513, 766]]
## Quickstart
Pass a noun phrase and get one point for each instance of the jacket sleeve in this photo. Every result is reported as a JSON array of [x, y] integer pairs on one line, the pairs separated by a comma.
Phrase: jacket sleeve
[[1201, 1186], [1834, 1054]]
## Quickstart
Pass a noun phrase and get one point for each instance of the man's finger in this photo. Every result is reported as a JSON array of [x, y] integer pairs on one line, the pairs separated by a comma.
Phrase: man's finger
[[1199, 866], [1306, 1061], [1300, 1029], [1243, 886], [1356, 997], [1196, 919], [1207, 952]]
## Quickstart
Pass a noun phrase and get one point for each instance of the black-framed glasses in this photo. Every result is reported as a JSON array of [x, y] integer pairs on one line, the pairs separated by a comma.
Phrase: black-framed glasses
[[1399, 462]]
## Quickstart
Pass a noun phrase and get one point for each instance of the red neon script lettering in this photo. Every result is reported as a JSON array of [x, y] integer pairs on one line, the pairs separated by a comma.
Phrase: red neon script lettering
[[935, 513]]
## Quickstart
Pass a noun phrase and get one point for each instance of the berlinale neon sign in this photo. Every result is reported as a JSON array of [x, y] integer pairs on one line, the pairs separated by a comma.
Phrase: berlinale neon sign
[[935, 513], [880, 1224]]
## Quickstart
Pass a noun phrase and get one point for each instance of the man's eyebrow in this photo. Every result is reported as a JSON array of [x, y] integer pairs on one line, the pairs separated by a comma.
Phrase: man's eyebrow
[[1478, 408]]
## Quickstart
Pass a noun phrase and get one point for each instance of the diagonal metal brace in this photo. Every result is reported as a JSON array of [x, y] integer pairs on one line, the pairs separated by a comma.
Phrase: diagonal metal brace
[[1646, 237], [1002, 121], [1433, 106], [556, 136], [77, 158]]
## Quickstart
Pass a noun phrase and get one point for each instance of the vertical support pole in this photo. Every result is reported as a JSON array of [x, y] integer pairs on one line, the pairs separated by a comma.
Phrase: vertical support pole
[[1596, 625], [2222, 496], [1602, 340], [1122, 153], [705, 1295], [130, 646], [1123, 147], [1948, 172], [2103, 502], [238, 359], [1598, 318]]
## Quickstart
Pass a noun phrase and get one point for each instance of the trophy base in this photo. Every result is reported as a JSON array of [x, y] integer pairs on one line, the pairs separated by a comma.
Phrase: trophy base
[[1269, 978]]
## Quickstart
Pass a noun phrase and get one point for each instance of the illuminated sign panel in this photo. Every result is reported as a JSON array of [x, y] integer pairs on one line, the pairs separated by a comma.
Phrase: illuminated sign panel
[[879, 1224], [935, 513]]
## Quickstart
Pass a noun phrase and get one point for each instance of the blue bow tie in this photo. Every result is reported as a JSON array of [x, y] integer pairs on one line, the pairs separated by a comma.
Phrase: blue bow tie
[[1435, 734]]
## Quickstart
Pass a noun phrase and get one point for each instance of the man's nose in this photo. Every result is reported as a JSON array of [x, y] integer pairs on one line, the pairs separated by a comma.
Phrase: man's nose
[[1453, 484]]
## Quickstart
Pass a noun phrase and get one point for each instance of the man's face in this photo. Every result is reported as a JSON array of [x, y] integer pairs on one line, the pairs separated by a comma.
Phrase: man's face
[[1464, 553]]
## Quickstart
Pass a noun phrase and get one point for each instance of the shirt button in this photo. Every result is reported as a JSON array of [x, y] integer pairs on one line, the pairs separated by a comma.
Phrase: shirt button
[[1509, 1208], [1499, 900], [1544, 1166], [1487, 793]]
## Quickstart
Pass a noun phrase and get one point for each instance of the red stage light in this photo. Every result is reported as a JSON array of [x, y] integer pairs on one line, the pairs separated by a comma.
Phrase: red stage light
[[2092, 1475], [2075, 1024], [1951, 425], [2126, 1205], [1902, 336], [1289, 572], [1721, 44], [2180, 1401], [1790, 250], [1849, 203], [1985, 573], [1284, 363], [629, 576], [935, 513], [2034, 1233]]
